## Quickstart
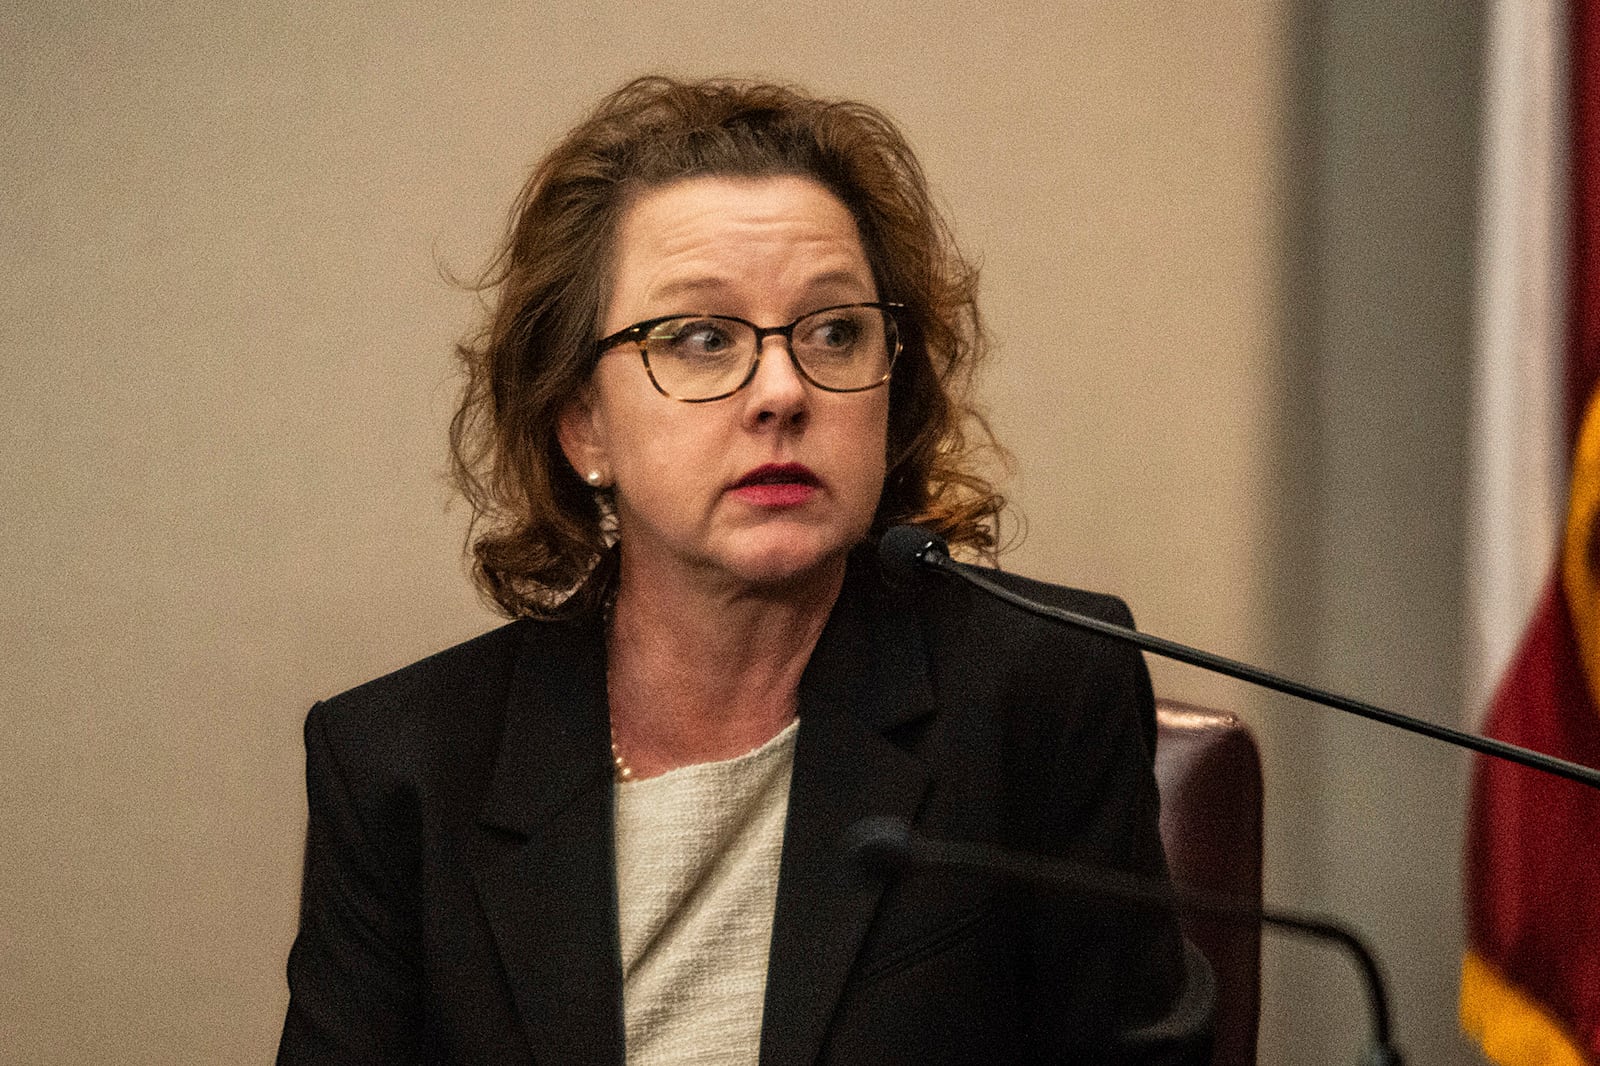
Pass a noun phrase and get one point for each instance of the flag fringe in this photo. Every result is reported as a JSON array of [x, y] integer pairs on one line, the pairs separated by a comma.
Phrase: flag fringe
[[1512, 1029], [1581, 551]]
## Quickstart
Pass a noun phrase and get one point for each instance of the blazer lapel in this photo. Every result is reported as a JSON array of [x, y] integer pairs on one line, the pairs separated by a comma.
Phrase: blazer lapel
[[867, 676], [542, 855]]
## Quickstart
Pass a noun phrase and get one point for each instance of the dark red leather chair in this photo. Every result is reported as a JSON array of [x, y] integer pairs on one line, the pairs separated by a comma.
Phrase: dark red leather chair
[[1209, 773]]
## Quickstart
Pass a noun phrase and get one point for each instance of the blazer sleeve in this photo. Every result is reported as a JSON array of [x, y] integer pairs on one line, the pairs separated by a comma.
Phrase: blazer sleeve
[[1111, 969], [354, 977]]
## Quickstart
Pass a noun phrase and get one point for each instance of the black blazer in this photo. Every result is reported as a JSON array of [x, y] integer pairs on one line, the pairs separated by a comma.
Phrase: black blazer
[[459, 902]]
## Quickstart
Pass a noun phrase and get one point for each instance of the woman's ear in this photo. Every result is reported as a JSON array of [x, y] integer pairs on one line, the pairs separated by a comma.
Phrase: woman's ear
[[582, 442]]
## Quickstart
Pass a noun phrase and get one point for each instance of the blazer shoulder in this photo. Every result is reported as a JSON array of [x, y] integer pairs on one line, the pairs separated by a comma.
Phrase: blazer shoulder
[[469, 658], [955, 607], [973, 634], [1099, 605], [434, 726], [474, 675]]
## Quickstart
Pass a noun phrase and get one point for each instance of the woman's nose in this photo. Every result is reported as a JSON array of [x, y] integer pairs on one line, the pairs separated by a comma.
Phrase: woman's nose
[[777, 394]]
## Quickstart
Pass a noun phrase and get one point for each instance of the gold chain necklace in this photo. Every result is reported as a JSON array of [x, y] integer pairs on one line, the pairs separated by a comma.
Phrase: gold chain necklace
[[623, 770]]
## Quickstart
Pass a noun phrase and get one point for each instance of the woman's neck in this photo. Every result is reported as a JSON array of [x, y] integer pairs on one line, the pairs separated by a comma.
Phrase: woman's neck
[[698, 673]]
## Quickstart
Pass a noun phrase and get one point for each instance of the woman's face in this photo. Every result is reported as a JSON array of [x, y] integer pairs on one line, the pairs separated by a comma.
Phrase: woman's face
[[778, 481]]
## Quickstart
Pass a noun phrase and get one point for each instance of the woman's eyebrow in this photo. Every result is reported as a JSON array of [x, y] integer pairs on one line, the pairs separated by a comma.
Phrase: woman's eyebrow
[[840, 279], [693, 286]]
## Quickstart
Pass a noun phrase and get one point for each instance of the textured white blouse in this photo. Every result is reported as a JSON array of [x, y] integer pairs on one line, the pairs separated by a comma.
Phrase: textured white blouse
[[697, 879]]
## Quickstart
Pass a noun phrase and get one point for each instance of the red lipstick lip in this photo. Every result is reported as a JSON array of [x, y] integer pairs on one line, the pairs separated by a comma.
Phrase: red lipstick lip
[[778, 474]]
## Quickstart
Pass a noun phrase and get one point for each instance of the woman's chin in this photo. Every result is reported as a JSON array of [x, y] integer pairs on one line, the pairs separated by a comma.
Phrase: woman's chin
[[788, 563], [769, 560]]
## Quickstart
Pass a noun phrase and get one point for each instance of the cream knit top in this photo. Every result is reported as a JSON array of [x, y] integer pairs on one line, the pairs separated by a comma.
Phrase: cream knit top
[[697, 878]]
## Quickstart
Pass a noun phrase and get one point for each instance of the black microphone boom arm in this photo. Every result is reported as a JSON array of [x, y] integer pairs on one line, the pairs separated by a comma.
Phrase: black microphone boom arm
[[929, 551], [886, 844]]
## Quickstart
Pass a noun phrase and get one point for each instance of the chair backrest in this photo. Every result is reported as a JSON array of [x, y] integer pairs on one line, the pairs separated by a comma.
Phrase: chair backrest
[[1209, 773]]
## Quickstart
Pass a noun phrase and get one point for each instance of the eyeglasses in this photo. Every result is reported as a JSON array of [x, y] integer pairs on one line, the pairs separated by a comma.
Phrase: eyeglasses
[[700, 358]]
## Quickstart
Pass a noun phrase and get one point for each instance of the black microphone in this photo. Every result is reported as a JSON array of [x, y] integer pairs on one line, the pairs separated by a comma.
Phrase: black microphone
[[883, 845], [905, 550]]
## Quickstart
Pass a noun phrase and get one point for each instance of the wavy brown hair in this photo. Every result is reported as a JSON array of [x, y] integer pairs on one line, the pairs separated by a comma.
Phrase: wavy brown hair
[[538, 530]]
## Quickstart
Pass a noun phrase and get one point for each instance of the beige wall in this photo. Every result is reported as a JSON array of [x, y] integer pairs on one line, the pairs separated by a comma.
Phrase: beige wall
[[226, 376]]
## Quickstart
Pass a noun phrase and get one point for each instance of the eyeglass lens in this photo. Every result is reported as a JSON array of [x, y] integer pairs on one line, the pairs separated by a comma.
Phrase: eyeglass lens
[[704, 356]]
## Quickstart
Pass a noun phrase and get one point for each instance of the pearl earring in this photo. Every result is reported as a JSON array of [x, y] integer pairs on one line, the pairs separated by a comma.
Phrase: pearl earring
[[593, 477]]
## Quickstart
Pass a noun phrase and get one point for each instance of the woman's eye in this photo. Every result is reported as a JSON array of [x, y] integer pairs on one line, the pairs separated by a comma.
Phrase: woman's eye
[[697, 337], [835, 333]]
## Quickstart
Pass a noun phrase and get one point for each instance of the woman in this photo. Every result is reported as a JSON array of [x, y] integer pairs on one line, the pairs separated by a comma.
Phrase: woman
[[730, 345]]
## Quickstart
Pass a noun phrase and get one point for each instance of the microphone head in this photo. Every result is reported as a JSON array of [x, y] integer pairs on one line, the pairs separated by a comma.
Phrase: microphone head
[[904, 550]]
